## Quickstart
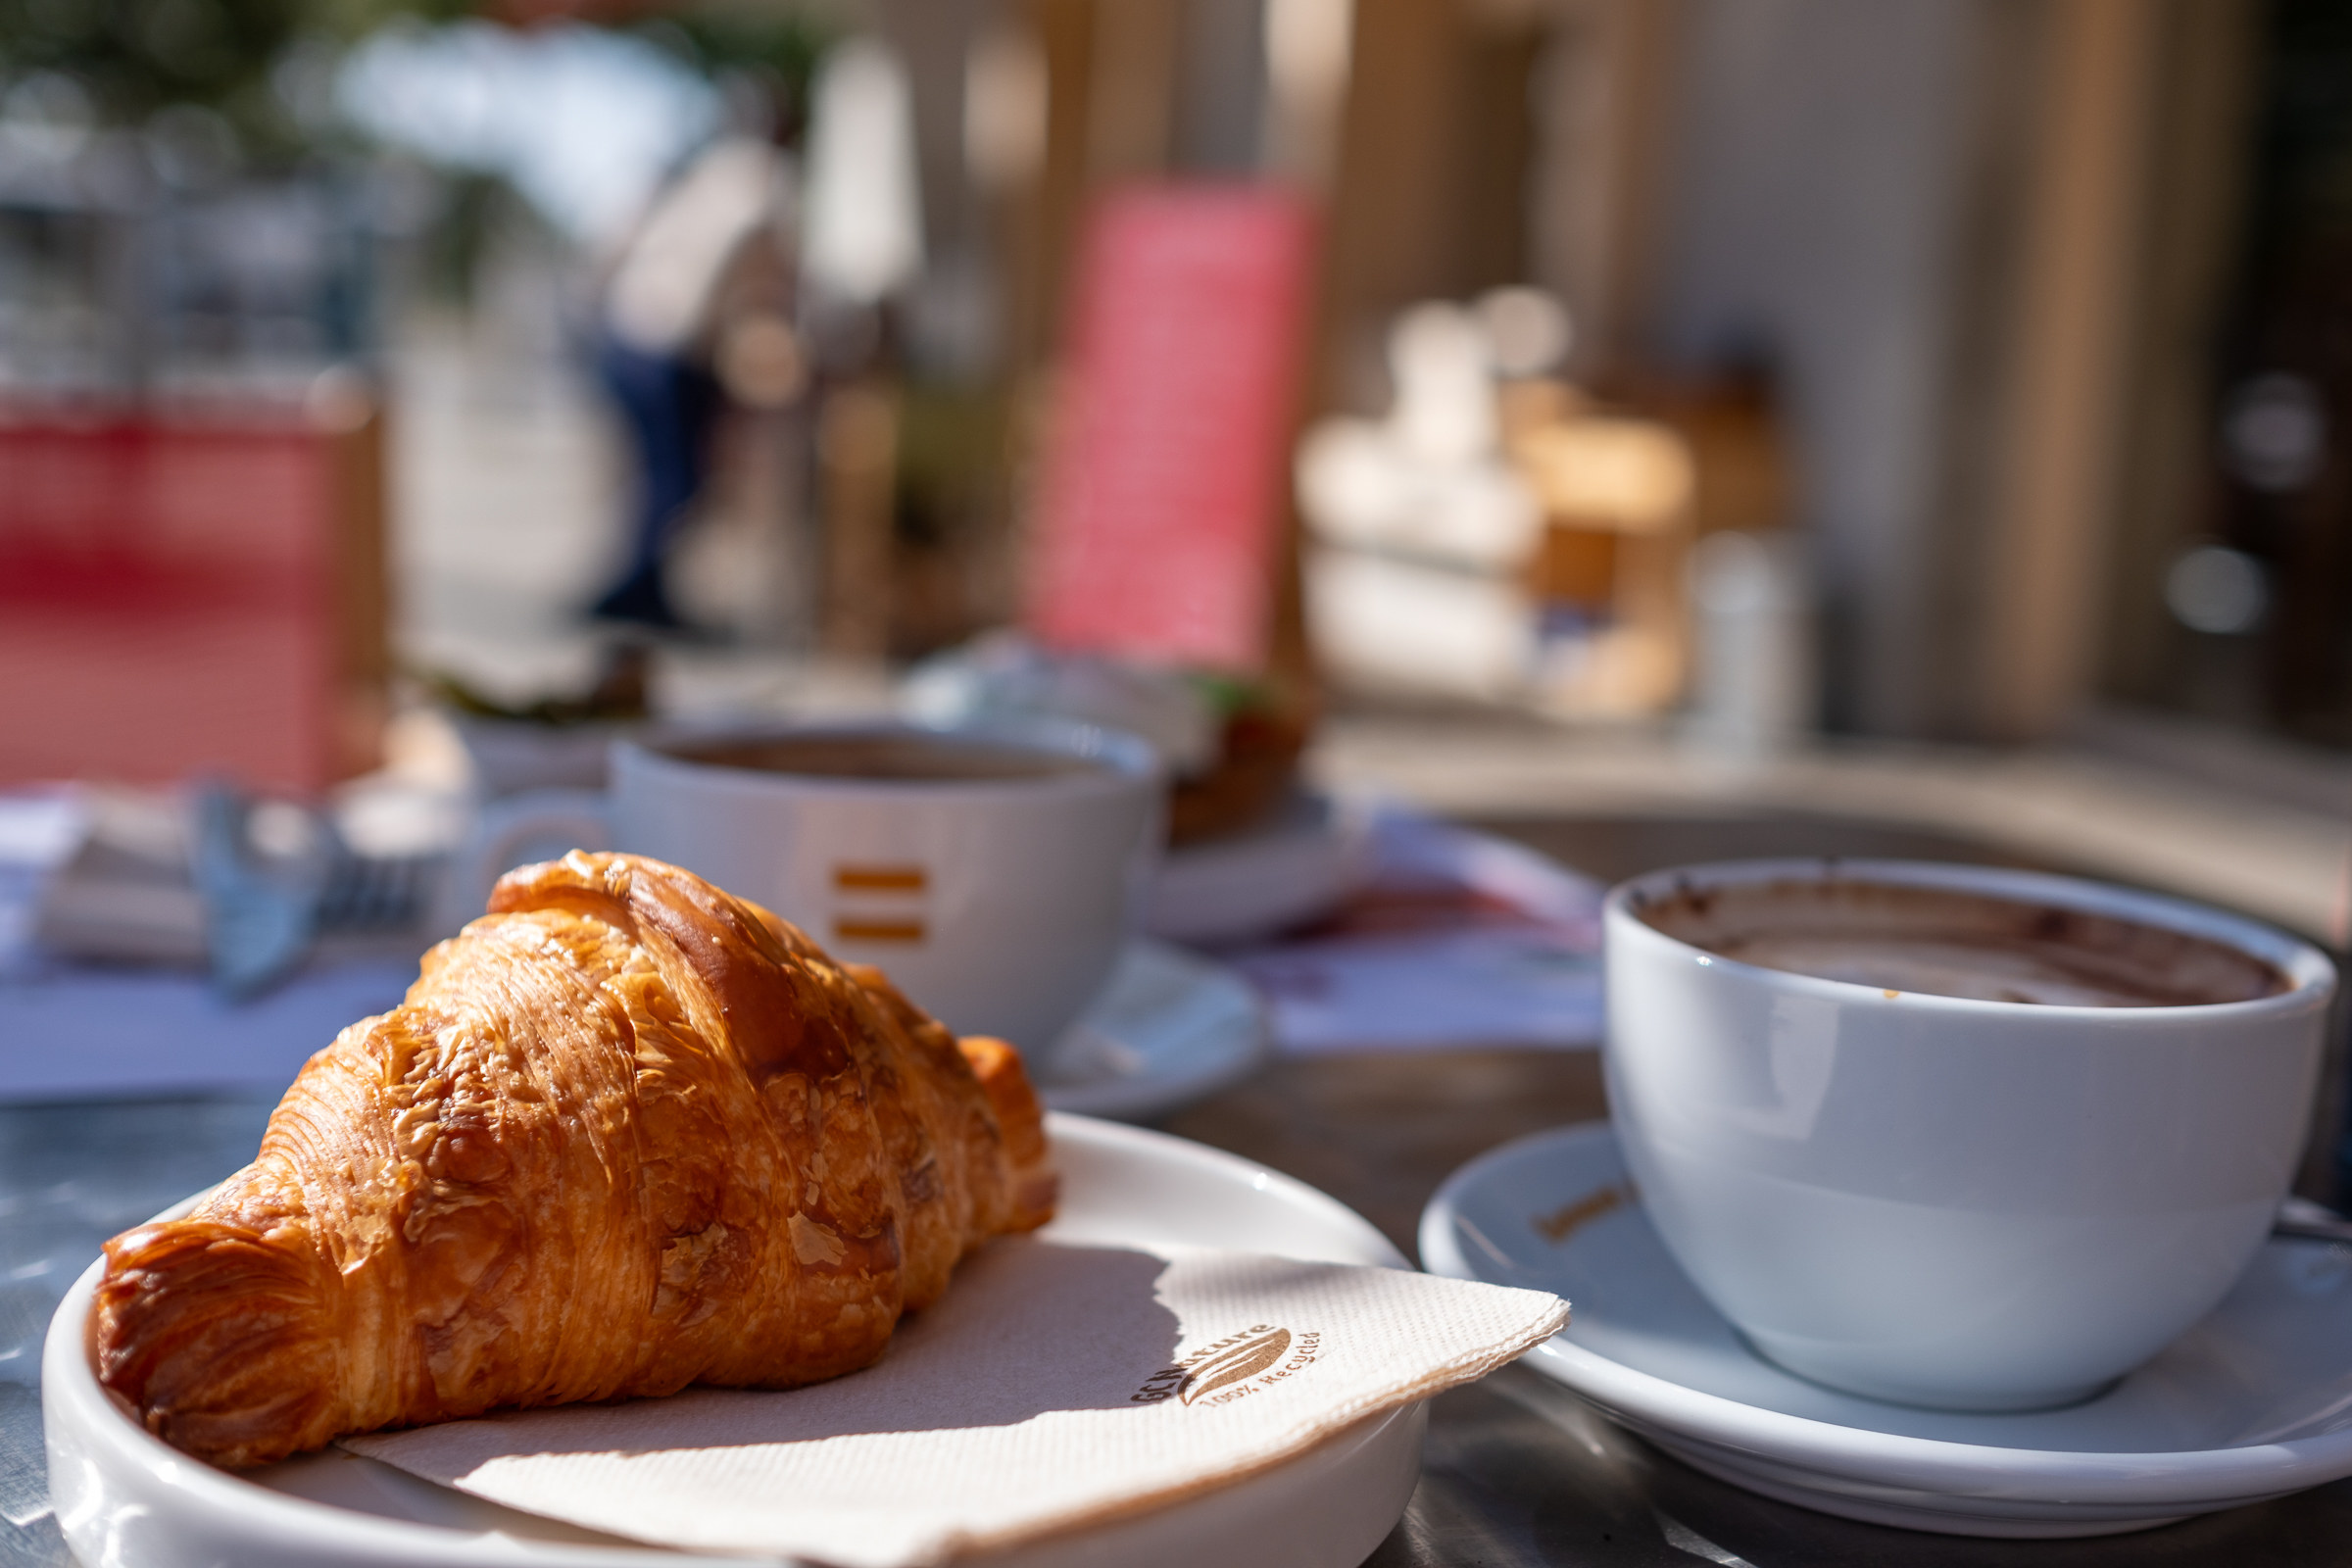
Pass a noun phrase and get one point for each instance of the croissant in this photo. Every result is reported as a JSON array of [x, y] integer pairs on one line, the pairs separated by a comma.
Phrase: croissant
[[625, 1134]]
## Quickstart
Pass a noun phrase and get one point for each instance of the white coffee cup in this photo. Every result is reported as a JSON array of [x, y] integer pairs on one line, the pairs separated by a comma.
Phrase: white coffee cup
[[999, 902], [1963, 1203]]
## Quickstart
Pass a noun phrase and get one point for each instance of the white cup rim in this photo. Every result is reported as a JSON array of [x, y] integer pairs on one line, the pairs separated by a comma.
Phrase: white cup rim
[[1127, 761], [2310, 972]]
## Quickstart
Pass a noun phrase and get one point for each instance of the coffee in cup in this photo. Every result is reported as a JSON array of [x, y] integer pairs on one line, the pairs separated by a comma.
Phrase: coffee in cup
[[1946, 942], [1952, 1136], [896, 757]]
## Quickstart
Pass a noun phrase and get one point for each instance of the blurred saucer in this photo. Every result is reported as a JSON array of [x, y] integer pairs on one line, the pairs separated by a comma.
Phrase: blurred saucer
[[1171, 1028], [1290, 869], [2252, 1403]]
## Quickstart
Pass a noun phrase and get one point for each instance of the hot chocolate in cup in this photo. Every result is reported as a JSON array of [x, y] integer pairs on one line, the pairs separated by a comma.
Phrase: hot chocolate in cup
[[1951, 1136]]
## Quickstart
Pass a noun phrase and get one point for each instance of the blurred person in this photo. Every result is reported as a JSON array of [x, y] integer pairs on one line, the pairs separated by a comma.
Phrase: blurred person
[[696, 313]]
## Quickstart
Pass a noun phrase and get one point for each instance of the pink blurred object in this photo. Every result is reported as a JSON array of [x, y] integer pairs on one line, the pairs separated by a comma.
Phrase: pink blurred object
[[170, 596], [1162, 501]]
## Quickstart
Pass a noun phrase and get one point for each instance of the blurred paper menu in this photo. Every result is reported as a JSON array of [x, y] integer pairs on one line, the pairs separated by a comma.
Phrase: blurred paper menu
[[1161, 506], [1455, 939]]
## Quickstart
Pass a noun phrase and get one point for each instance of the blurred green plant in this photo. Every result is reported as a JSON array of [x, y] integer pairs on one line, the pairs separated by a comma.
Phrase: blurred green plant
[[257, 74], [770, 49], [241, 61]]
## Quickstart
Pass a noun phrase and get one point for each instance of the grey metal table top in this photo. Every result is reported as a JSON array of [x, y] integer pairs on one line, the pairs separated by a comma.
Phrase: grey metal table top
[[71, 1176], [1517, 1470]]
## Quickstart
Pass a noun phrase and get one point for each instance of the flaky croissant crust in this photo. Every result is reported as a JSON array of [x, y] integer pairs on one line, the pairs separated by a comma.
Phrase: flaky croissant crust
[[625, 1134]]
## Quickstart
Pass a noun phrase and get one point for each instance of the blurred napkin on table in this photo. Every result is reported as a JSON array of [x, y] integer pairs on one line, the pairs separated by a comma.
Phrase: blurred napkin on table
[[1054, 1386], [123, 894], [144, 1019]]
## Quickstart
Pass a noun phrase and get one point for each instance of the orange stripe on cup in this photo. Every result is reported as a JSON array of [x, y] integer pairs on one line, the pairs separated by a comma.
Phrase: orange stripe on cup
[[879, 878], [878, 930]]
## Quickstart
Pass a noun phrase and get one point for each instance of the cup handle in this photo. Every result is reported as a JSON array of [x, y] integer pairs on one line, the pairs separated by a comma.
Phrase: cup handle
[[533, 821]]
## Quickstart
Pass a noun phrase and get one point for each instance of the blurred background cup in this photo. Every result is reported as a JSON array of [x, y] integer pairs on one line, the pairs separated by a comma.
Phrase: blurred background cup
[[994, 871], [1943, 1201]]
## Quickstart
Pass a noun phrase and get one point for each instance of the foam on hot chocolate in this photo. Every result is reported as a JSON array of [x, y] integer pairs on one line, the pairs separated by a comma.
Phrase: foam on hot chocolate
[[1951, 944]]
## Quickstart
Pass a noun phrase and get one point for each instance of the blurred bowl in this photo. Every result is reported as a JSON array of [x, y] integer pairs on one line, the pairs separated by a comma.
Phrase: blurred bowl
[[1292, 869], [511, 755]]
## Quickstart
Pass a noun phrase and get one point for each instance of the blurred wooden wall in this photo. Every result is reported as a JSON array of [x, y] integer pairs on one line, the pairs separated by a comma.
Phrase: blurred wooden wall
[[1477, 143], [2118, 240], [2186, 250], [1487, 142]]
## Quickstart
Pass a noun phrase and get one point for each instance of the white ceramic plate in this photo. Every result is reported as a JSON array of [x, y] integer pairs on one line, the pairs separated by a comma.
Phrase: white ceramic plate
[[122, 1496], [2252, 1403], [1294, 867], [1169, 1028]]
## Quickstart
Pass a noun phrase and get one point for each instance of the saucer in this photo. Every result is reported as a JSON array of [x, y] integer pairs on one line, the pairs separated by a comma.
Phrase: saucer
[[1169, 1028], [2252, 1403], [1287, 871], [122, 1496]]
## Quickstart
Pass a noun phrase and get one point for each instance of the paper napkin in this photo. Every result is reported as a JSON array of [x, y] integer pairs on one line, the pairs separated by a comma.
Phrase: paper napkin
[[1054, 1385]]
